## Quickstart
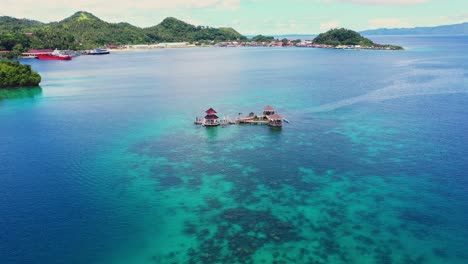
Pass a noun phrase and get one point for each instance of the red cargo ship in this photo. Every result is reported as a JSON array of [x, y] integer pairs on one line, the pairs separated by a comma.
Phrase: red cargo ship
[[56, 55]]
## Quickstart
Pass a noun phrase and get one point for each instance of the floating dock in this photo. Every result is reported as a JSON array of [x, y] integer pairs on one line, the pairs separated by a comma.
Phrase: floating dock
[[269, 117]]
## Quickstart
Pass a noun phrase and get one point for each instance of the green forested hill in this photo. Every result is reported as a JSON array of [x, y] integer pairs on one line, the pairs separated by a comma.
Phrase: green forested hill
[[261, 38], [17, 25], [89, 31], [172, 29], [43, 37], [83, 30], [341, 36]]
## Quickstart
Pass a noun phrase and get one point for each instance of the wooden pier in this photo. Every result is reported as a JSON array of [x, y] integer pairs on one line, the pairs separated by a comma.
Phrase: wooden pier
[[269, 117]]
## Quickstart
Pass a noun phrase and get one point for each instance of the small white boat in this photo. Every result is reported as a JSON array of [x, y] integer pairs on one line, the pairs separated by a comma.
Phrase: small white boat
[[98, 51]]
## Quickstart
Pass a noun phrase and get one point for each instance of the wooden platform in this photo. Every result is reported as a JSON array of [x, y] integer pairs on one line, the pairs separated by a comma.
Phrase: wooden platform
[[257, 120], [237, 121]]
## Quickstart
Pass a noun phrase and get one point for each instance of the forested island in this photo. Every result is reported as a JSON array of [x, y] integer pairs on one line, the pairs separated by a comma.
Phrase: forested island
[[15, 75], [262, 38], [340, 37]]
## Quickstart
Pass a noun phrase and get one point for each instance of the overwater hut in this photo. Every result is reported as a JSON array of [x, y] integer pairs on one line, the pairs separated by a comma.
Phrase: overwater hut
[[275, 120], [268, 110], [211, 119]]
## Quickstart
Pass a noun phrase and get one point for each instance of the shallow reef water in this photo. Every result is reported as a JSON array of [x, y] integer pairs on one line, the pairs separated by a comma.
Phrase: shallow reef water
[[105, 165]]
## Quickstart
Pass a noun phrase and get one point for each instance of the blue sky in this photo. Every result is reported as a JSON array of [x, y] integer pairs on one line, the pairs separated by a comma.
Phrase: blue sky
[[255, 16]]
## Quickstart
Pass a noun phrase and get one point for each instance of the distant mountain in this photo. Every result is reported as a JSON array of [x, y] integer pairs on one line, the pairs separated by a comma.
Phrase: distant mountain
[[173, 29], [84, 30], [456, 29]]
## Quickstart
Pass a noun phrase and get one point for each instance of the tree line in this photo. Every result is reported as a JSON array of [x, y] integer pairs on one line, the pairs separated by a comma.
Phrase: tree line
[[13, 74], [85, 31]]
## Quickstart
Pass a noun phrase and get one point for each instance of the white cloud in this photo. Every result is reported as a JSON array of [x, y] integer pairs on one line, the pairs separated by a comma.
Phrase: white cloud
[[53, 10], [458, 18], [152, 4], [381, 2], [193, 21], [329, 25], [229, 4], [286, 27], [387, 23]]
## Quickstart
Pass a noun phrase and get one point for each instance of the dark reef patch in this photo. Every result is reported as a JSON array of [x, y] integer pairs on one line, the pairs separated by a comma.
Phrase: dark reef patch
[[413, 216], [383, 255], [213, 203], [240, 233], [170, 181], [441, 253]]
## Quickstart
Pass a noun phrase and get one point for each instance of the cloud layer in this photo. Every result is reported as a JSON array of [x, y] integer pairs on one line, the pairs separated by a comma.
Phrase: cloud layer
[[253, 16], [53, 10], [388, 23], [381, 2], [329, 25]]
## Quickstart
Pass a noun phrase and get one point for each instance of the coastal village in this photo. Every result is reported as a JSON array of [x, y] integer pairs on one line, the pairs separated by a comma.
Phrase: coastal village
[[35, 53], [68, 54], [233, 44], [297, 43]]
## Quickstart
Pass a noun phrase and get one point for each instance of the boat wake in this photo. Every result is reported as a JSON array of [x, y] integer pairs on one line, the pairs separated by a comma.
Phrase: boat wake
[[440, 81]]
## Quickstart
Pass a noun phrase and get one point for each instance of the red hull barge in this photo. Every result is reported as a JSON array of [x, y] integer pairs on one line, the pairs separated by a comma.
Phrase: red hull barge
[[53, 57]]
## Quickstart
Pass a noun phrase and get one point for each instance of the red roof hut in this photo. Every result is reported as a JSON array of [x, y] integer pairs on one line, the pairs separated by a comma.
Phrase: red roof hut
[[268, 110], [211, 119], [275, 120], [211, 111]]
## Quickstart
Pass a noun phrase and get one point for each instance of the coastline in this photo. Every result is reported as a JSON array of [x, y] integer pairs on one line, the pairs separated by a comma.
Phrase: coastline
[[315, 46], [152, 48]]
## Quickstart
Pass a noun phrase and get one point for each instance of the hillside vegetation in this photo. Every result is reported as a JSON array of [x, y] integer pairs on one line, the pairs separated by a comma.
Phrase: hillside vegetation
[[342, 36], [14, 74], [15, 24], [172, 29], [83, 30], [261, 38]]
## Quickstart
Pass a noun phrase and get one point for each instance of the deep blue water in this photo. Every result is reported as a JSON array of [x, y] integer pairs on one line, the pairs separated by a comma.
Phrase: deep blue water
[[104, 165]]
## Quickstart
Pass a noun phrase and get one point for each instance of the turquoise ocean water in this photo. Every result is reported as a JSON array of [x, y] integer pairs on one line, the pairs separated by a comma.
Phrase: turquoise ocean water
[[104, 165]]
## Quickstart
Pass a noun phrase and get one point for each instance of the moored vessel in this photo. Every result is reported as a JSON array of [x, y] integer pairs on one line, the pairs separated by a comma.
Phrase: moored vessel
[[56, 55], [98, 51]]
